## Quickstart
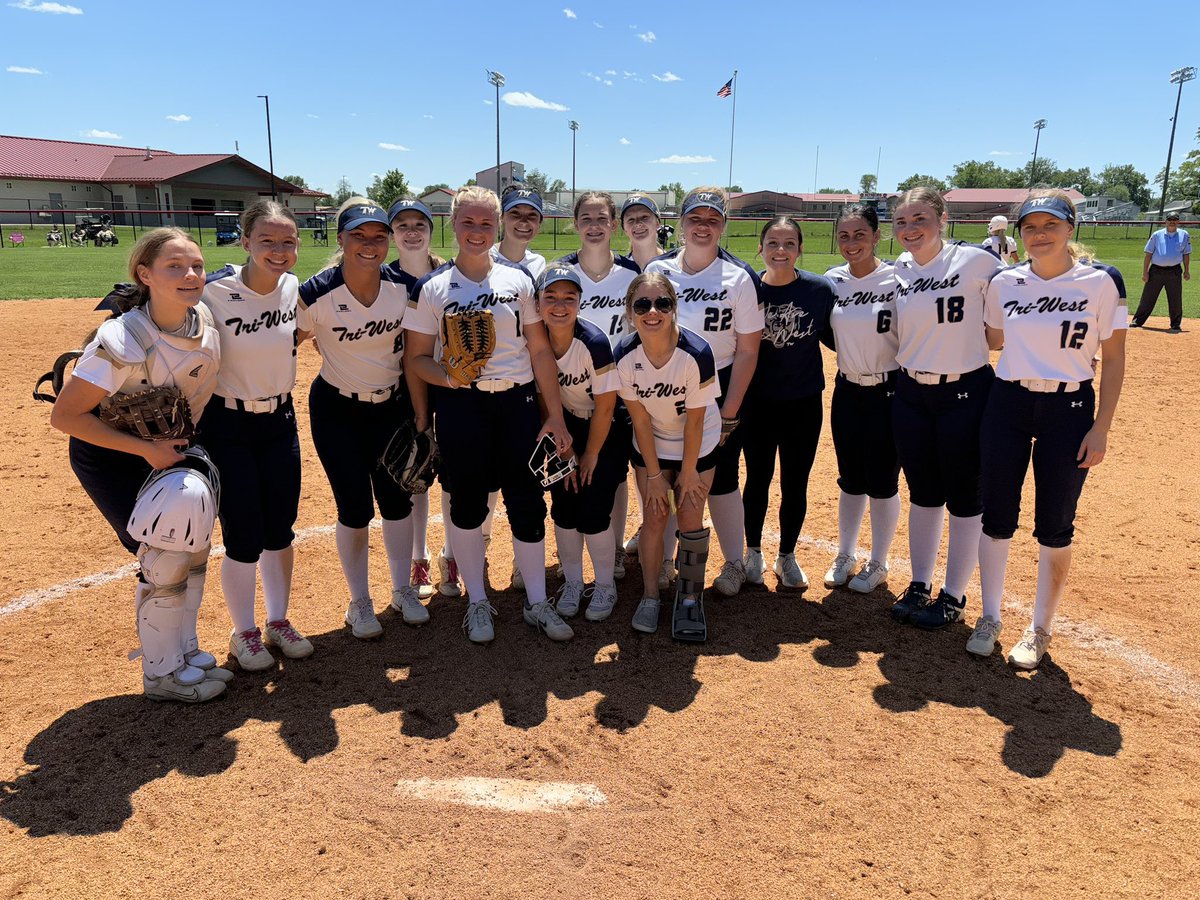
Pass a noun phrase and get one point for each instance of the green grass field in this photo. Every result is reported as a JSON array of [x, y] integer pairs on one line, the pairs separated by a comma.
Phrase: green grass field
[[35, 271]]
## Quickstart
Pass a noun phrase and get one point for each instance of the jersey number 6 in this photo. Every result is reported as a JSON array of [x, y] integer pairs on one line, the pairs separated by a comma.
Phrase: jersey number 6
[[884, 323]]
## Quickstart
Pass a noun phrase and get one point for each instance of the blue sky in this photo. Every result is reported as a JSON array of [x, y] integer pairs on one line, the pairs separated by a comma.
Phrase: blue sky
[[403, 85]]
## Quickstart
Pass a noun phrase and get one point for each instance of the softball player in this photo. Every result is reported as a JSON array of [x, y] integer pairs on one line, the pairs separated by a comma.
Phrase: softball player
[[999, 243], [249, 428], [639, 221], [412, 232], [605, 279], [163, 339], [940, 394], [587, 383], [783, 409], [1056, 312], [718, 300], [668, 382], [860, 416], [488, 430], [355, 310], [522, 220]]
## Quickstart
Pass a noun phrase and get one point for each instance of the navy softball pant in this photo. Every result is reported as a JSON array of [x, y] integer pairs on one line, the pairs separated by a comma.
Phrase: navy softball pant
[[350, 436], [793, 428], [728, 474], [860, 418], [936, 427], [112, 479], [588, 508], [258, 456], [1019, 423], [486, 441]]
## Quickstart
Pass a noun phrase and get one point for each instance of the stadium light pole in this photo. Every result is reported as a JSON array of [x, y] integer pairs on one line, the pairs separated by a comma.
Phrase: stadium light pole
[[495, 78], [1179, 77], [1038, 126], [574, 126], [270, 149]]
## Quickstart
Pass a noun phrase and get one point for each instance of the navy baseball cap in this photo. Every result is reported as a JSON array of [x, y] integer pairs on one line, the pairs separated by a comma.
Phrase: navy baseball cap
[[404, 205], [1055, 206], [517, 196], [558, 272], [699, 199], [1172, 216], [354, 216], [638, 200]]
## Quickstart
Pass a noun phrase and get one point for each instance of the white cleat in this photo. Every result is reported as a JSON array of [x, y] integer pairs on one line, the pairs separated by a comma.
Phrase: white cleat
[[406, 602], [360, 616], [840, 571]]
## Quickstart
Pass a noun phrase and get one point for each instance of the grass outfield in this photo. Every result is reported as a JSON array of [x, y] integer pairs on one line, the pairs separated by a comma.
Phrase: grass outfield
[[36, 271]]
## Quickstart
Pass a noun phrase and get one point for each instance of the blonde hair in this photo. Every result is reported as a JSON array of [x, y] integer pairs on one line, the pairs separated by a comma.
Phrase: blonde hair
[[144, 253], [264, 209], [1077, 250], [474, 193], [335, 258], [655, 279]]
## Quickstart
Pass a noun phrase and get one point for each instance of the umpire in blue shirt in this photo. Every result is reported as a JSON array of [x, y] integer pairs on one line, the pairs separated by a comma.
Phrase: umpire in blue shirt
[[1168, 253]]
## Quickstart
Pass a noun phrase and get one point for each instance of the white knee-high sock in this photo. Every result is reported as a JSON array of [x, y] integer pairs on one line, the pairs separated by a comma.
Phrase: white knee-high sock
[[993, 563], [885, 514], [420, 517], [850, 515], [468, 549], [493, 498], [620, 512], [1053, 565], [531, 562], [275, 567], [397, 544], [729, 521], [602, 548], [570, 553], [924, 539], [352, 553], [447, 541], [962, 555], [238, 583]]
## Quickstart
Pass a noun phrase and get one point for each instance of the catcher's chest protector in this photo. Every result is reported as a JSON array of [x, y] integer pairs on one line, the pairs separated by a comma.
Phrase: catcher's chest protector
[[163, 360]]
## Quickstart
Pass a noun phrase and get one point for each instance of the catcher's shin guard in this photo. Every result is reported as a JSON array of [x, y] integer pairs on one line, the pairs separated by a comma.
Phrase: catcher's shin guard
[[192, 597], [687, 619], [160, 610]]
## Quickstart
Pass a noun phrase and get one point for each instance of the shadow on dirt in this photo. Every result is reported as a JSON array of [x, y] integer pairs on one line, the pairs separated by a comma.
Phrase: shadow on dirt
[[85, 766]]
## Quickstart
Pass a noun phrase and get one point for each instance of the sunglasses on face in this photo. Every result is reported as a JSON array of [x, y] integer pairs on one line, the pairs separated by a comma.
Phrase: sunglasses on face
[[643, 305]]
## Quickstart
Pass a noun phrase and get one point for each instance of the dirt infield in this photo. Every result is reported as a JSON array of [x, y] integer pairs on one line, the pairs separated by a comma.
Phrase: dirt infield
[[810, 748]]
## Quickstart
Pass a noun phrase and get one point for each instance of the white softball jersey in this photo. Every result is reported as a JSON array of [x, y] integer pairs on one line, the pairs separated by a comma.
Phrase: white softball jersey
[[586, 369], [534, 262], [1003, 247], [864, 320], [939, 310], [688, 380], [1053, 328], [603, 302], [718, 303], [506, 292], [258, 334], [361, 347], [116, 362]]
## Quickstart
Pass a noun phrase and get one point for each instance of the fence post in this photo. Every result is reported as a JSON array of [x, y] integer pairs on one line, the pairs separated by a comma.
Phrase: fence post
[[29, 203]]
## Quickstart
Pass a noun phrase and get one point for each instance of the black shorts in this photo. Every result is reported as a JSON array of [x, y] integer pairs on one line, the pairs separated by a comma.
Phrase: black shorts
[[860, 418], [703, 464], [588, 508]]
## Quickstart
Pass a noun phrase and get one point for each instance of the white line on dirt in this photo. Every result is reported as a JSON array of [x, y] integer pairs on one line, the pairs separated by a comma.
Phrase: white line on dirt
[[507, 794]]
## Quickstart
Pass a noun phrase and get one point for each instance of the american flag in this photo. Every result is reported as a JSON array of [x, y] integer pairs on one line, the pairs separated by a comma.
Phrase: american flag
[[726, 89]]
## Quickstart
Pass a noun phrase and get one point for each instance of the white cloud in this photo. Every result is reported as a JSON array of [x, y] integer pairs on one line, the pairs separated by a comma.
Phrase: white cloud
[[667, 77], [97, 133], [312, 116], [608, 82], [180, 118], [675, 159], [569, 13], [383, 145], [54, 9], [24, 70], [648, 36], [610, 71], [628, 74], [597, 24], [529, 101], [1002, 153], [427, 116], [624, 141], [488, 102]]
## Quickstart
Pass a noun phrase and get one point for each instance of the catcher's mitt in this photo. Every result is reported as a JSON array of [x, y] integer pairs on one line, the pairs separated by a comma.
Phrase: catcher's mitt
[[155, 414], [468, 339], [411, 458]]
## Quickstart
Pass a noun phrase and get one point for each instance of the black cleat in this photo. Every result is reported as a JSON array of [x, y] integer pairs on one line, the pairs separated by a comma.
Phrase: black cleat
[[942, 612], [916, 596]]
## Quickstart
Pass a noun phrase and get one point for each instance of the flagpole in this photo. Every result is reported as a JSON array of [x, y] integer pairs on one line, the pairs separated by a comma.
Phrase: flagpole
[[732, 124]]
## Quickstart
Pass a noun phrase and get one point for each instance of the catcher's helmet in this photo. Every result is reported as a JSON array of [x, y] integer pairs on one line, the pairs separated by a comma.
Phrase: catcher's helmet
[[547, 465]]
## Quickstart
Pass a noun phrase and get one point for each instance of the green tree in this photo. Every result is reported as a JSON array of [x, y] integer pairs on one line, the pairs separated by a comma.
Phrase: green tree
[[471, 182], [1082, 177], [829, 190], [556, 185], [866, 184], [1126, 176], [1046, 175], [389, 188], [976, 174], [536, 179], [675, 188], [342, 192], [298, 181], [1185, 179], [913, 181], [433, 187], [735, 189]]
